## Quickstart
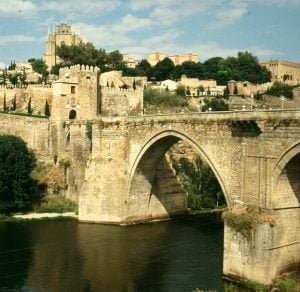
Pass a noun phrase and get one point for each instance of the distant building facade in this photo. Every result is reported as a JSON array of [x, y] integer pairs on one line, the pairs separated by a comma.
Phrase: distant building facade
[[63, 35], [179, 59], [283, 71], [154, 58], [130, 62]]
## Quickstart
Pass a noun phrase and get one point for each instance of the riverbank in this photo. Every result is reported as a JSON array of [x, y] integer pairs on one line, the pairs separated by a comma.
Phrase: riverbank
[[40, 216]]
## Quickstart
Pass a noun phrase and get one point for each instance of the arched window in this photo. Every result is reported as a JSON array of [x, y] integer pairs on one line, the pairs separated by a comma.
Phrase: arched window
[[72, 115]]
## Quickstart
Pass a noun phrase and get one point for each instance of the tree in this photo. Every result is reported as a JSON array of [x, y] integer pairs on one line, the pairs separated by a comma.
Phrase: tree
[[226, 92], [4, 103], [201, 184], [215, 104], [162, 70], [201, 89], [235, 91], [47, 109], [279, 88], [17, 188], [134, 85], [14, 104], [180, 90], [29, 109], [39, 66]]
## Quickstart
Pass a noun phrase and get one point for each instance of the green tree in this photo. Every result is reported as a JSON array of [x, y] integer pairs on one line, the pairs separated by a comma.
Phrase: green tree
[[163, 69], [180, 90], [4, 103], [226, 92], [235, 91], [13, 78], [47, 109], [17, 188], [201, 89], [14, 104], [216, 104], [29, 109], [39, 66], [134, 84], [201, 184], [279, 88]]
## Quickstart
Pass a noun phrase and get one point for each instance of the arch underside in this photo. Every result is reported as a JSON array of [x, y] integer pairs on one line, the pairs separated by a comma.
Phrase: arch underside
[[154, 190], [287, 188]]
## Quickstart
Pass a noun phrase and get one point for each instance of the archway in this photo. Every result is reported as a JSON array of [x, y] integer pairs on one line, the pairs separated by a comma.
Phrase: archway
[[286, 192], [72, 115], [147, 198]]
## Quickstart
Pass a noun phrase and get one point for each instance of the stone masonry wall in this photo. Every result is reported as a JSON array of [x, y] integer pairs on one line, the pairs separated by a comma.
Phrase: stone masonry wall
[[34, 131]]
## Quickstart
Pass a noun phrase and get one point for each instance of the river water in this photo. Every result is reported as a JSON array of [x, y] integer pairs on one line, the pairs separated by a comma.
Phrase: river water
[[179, 255]]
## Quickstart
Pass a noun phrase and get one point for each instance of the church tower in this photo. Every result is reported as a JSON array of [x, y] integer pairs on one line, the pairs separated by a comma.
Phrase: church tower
[[63, 35]]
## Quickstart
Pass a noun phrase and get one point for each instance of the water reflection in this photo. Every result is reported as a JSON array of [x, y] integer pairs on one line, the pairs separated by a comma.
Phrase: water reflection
[[170, 256]]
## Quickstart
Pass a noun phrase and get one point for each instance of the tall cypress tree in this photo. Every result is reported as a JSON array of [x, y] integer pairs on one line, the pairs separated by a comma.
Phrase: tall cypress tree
[[134, 85], [14, 105], [47, 109], [29, 109], [4, 103]]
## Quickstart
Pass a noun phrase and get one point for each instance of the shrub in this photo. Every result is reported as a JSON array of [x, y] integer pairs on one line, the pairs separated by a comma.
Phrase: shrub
[[164, 98], [56, 204], [216, 104], [279, 88]]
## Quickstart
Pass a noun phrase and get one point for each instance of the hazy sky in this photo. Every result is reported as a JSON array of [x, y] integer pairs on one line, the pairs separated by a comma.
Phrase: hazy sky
[[270, 29]]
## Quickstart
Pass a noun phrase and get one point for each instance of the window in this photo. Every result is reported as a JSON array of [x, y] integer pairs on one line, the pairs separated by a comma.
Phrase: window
[[72, 115], [73, 89]]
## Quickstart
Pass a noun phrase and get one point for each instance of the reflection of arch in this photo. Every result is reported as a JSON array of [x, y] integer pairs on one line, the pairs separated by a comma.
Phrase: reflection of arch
[[286, 178], [144, 166], [72, 115]]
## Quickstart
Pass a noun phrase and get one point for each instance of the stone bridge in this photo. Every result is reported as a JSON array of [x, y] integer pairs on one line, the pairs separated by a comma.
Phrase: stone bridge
[[254, 155]]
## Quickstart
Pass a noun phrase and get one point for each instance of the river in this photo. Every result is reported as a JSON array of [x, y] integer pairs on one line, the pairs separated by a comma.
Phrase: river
[[178, 255]]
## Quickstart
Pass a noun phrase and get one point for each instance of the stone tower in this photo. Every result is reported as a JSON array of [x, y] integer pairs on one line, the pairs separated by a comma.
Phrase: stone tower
[[63, 35], [76, 100], [76, 95]]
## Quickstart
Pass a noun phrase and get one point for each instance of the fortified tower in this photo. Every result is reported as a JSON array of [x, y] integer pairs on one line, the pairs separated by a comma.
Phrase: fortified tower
[[63, 35]]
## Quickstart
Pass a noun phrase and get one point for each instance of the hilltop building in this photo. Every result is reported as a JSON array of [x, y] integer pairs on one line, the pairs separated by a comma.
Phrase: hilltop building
[[154, 58], [283, 71], [63, 35], [130, 62]]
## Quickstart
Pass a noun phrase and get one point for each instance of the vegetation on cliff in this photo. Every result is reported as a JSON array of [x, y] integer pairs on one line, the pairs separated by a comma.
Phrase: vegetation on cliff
[[243, 220], [200, 183]]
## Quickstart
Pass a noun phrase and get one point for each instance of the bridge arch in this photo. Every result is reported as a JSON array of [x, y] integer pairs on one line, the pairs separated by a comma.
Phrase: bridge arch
[[142, 172], [286, 178]]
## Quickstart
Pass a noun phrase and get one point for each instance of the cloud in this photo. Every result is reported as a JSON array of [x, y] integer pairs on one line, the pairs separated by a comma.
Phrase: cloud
[[17, 8], [229, 16], [80, 7], [5, 39], [2, 65]]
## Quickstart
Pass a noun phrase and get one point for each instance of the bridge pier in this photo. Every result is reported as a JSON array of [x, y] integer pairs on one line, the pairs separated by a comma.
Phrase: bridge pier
[[267, 251]]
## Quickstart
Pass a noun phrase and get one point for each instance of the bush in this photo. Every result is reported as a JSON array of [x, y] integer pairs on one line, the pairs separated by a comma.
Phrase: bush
[[56, 204], [216, 104], [164, 98], [18, 191], [281, 89]]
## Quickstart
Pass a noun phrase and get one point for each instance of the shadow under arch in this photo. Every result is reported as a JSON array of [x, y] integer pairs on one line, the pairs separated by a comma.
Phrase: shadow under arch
[[286, 178], [144, 168]]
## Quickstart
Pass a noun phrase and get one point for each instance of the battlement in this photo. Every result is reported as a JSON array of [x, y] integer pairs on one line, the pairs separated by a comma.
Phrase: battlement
[[78, 68], [120, 89], [11, 86]]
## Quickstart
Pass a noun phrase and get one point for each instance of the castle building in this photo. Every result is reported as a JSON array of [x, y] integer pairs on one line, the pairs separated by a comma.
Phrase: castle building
[[154, 58], [63, 35], [283, 71], [130, 62]]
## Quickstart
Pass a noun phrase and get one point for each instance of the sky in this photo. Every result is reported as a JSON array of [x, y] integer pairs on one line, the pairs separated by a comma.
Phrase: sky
[[269, 29]]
